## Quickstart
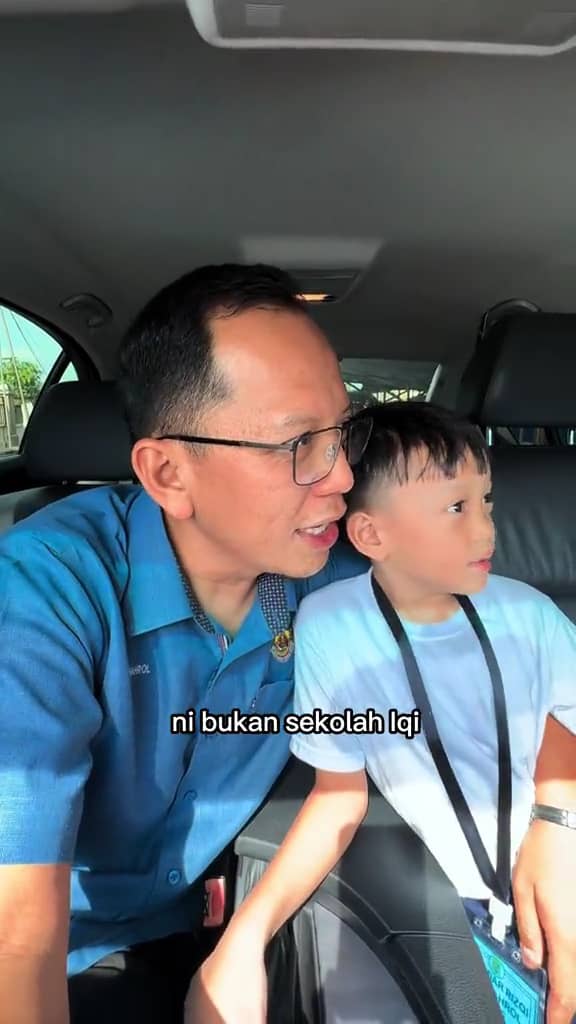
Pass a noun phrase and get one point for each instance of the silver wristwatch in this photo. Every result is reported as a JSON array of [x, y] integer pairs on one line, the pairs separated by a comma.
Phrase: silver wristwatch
[[557, 815]]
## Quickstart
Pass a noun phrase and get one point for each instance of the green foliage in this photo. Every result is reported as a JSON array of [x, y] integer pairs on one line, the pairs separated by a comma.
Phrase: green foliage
[[29, 375]]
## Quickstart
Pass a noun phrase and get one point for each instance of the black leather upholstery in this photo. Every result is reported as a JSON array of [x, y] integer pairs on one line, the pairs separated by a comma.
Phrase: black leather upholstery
[[77, 437], [535, 517], [78, 432], [522, 374]]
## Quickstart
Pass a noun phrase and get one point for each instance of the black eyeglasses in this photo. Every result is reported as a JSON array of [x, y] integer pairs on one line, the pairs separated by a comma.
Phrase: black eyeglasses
[[314, 454]]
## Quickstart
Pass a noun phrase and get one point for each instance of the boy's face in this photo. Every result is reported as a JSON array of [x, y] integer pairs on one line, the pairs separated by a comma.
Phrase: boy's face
[[433, 535]]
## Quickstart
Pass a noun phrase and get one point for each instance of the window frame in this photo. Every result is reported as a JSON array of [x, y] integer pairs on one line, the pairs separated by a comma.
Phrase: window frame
[[71, 353], [411, 389]]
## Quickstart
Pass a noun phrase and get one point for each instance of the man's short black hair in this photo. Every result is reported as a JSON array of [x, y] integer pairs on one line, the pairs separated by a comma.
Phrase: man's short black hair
[[168, 373], [401, 429]]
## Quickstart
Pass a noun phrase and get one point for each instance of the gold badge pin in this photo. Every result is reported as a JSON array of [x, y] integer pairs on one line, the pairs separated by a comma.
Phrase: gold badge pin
[[283, 645]]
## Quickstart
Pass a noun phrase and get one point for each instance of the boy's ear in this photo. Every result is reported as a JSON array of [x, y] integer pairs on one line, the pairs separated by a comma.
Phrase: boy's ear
[[367, 536]]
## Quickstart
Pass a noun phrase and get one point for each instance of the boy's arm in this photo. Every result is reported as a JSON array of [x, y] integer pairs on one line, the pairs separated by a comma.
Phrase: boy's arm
[[319, 836], [555, 776], [545, 871], [231, 985], [545, 876]]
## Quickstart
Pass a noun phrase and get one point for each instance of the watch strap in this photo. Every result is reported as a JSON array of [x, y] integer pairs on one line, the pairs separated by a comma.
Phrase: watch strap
[[556, 815]]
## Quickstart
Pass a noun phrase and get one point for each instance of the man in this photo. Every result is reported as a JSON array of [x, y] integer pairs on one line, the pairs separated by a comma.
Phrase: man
[[125, 606]]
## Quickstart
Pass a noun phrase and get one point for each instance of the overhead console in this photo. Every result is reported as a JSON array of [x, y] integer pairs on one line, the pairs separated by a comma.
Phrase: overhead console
[[410, 25]]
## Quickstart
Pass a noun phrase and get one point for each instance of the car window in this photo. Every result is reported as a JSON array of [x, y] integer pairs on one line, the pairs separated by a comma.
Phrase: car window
[[368, 381], [544, 437], [28, 353]]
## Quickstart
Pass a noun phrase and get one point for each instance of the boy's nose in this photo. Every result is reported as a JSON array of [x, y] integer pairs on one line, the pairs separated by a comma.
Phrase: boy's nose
[[485, 533]]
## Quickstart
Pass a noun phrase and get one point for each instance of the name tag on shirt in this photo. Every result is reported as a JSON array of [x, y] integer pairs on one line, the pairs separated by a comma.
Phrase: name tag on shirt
[[521, 993]]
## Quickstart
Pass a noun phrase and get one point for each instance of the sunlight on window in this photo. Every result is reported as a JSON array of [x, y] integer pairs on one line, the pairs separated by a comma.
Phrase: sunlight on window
[[27, 355], [369, 381]]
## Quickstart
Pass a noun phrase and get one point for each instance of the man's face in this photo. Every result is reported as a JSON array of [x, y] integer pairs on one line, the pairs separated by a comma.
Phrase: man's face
[[285, 381], [437, 533]]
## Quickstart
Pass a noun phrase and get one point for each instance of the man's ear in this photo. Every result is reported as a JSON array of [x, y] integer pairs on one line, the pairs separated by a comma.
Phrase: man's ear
[[164, 468], [367, 535]]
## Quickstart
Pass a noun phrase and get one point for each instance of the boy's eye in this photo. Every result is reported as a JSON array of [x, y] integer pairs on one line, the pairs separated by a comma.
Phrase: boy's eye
[[458, 506]]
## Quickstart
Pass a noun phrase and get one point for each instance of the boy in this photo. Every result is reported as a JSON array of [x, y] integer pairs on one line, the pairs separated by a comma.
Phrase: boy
[[421, 511]]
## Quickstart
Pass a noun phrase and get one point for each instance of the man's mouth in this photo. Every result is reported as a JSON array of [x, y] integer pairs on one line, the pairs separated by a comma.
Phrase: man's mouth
[[315, 531], [320, 535]]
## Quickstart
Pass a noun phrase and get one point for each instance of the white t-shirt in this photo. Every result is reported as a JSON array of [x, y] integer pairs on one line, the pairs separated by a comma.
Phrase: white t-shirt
[[346, 657]]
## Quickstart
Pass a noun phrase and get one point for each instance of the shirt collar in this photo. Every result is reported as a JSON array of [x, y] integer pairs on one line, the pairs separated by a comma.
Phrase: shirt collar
[[276, 598], [155, 596]]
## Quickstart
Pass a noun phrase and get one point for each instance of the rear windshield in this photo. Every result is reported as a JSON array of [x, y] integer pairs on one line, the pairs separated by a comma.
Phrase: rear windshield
[[386, 380]]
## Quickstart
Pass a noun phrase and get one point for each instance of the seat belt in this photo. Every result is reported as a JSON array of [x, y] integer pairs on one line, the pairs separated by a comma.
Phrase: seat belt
[[498, 878]]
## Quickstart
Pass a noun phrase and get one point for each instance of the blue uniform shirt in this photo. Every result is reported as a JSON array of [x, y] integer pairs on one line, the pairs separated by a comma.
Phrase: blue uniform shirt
[[100, 645]]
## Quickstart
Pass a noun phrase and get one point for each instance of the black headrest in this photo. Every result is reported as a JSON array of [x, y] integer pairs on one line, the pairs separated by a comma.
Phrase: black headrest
[[78, 432], [522, 373], [534, 500]]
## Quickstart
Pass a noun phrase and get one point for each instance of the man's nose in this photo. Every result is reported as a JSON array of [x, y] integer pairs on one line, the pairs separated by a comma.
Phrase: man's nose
[[340, 479]]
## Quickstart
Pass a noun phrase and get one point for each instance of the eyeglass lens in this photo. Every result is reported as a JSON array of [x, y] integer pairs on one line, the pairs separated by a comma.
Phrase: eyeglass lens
[[316, 453]]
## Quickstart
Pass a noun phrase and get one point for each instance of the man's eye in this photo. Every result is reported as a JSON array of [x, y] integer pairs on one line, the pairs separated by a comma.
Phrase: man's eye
[[489, 498], [305, 440], [456, 507]]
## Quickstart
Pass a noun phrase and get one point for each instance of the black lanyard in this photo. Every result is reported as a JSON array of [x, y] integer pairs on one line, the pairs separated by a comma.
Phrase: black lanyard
[[498, 881]]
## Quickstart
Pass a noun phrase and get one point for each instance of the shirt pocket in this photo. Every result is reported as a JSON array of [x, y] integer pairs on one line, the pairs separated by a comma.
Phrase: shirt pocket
[[274, 698], [109, 896]]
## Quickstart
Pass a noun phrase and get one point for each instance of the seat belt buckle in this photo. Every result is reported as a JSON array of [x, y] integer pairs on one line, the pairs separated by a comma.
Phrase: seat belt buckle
[[501, 914], [214, 902]]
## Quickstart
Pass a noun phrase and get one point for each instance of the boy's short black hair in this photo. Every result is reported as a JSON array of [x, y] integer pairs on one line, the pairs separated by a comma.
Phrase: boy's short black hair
[[168, 373], [401, 429]]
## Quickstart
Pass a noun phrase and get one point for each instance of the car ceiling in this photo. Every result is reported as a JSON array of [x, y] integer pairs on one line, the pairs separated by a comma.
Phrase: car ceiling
[[133, 151]]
